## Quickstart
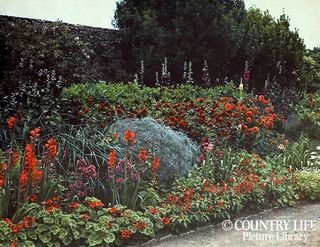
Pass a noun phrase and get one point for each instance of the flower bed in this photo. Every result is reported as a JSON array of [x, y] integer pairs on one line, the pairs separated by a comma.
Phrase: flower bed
[[81, 185]]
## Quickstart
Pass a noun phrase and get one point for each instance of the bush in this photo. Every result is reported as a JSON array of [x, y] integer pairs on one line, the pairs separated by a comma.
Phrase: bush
[[177, 152], [308, 184]]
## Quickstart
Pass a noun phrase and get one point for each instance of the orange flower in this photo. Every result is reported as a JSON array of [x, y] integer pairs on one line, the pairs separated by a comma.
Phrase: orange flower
[[11, 122], [96, 204], [125, 233], [112, 158], [140, 225], [143, 154], [13, 243], [29, 167], [155, 164], [249, 119], [129, 137], [35, 133], [73, 205], [30, 161], [254, 129], [228, 107], [249, 113], [51, 145]]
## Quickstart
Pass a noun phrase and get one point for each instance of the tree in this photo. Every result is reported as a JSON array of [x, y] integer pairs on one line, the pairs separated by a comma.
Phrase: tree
[[270, 43], [181, 30]]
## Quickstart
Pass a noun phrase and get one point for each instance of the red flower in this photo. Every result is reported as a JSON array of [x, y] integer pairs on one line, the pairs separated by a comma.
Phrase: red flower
[[29, 167], [13, 243], [52, 207], [220, 203], [143, 154], [11, 122], [140, 225], [125, 233], [51, 145], [155, 164], [85, 110], [114, 211], [85, 216], [35, 133], [200, 100], [229, 107], [249, 114], [153, 211], [74, 205], [129, 137], [262, 185], [254, 129], [112, 158], [95, 204], [165, 220]]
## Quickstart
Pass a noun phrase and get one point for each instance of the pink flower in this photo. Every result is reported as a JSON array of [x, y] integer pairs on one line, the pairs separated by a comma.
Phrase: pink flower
[[207, 147], [201, 158], [119, 180]]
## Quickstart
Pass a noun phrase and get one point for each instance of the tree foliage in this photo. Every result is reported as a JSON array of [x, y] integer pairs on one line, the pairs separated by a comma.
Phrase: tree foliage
[[182, 30], [222, 32], [273, 48]]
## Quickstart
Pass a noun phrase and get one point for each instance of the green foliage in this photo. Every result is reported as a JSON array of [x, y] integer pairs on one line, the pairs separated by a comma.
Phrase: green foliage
[[253, 183], [182, 31], [308, 184], [297, 154], [308, 110], [271, 43], [80, 225]]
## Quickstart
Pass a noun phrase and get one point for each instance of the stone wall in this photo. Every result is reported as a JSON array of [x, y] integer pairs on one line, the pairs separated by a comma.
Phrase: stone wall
[[106, 60]]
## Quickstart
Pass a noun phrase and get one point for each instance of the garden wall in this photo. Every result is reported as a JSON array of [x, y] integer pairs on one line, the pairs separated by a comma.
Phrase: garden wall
[[105, 60]]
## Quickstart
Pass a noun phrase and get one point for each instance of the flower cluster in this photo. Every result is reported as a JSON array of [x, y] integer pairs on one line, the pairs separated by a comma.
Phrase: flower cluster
[[52, 204], [25, 223], [80, 185]]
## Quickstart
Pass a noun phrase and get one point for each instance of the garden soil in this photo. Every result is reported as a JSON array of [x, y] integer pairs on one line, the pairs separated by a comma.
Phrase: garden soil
[[303, 229]]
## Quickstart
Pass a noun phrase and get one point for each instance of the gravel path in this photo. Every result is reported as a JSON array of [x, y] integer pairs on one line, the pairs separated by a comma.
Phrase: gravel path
[[294, 226]]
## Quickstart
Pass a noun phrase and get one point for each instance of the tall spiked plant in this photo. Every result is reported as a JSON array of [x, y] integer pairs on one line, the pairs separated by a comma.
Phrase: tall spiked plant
[[26, 176]]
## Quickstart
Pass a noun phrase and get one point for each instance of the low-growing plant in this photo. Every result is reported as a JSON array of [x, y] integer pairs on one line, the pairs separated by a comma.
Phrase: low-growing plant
[[308, 184], [55, 223]]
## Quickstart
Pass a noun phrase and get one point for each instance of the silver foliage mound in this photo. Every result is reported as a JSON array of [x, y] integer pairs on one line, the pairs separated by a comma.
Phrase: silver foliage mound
[[177, 152]]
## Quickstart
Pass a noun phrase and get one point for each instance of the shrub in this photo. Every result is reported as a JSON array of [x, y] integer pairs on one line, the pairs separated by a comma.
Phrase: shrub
[[177, 152], [308, 184]]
